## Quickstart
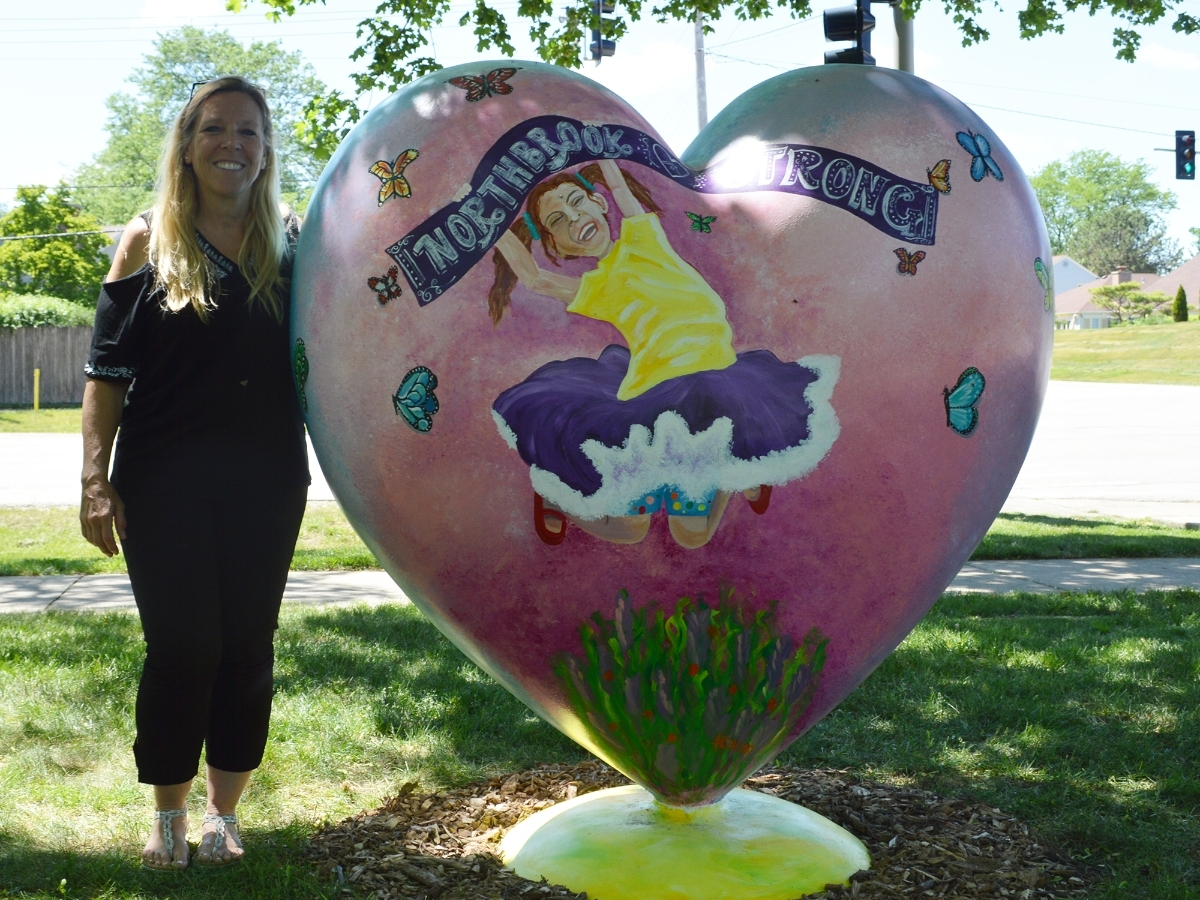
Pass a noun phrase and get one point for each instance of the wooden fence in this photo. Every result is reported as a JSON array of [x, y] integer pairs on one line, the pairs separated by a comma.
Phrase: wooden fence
[[59, 352]]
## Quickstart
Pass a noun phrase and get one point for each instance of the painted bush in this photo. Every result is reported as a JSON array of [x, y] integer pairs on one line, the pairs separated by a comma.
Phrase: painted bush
[[768, 394]]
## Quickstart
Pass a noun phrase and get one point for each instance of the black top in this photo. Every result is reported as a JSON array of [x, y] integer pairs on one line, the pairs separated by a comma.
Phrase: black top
[[209, 400]]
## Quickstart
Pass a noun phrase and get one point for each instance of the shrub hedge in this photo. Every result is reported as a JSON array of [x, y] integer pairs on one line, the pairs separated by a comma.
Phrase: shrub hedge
[[38, 310]]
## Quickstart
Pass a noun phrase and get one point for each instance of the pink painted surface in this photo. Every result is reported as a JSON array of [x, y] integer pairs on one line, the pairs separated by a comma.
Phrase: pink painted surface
[[860, 548]]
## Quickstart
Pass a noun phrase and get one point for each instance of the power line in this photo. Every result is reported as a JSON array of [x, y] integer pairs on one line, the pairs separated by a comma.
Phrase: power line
[[1005, 87], [1021, 112], [809, 21]]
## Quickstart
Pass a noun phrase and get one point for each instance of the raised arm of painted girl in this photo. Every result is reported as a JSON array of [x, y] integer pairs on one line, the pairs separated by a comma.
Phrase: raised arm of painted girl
[[631, 198]]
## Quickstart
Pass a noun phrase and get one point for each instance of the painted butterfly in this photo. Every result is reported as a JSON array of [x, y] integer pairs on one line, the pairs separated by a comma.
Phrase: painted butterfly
[[300, 370], [1047, 280], [908, 261], [415, 401], [387, 287], [701, 223], [939, 176], [981, 155], [480, 86], [961, 414], [392, 176]]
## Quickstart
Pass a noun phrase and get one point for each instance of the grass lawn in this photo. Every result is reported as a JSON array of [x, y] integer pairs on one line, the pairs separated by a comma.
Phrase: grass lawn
[[64, 420], [1078, 713], [38, 540], [1142, 354], [45, 540]]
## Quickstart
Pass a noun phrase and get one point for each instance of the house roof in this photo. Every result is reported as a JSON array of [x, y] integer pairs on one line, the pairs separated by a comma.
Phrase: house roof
[[1079, 299], [1188, 275]]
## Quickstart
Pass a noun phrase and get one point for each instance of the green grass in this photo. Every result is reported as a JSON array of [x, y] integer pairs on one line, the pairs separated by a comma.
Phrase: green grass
[[45, 540], [1141, 354], [1079, 713], [54, 420], [1018, 536]]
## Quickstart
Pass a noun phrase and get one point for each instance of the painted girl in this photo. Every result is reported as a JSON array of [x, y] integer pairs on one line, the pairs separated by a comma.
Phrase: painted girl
[[676, 420]]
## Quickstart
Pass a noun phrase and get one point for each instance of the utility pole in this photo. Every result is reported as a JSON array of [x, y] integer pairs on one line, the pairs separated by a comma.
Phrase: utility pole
[[904, 39], [701, 84]]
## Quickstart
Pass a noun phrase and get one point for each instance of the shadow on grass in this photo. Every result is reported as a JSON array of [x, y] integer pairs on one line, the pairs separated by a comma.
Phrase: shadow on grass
[[272, 869], [1078, 712], [420, 688], [1018, 536]]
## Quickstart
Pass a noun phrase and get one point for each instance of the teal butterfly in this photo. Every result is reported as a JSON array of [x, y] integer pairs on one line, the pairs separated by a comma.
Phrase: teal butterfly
[[961, 414], [981, 155], [415, 401], [701, 223], [1047, 281], [300, 370]]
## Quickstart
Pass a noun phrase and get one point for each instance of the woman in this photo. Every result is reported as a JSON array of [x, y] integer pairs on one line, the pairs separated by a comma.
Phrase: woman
[[190, 358]]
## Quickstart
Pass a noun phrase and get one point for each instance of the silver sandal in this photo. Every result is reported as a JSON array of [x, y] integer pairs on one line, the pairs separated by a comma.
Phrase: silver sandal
[[163, 818], [218, 836]]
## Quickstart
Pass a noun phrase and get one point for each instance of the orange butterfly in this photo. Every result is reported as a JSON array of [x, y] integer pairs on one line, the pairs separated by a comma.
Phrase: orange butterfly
[[908, 262], [939, 176], [391, 174], [387, 287]]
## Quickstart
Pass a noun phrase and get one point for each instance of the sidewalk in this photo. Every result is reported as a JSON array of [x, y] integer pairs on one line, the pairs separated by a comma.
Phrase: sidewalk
[[104, 593]]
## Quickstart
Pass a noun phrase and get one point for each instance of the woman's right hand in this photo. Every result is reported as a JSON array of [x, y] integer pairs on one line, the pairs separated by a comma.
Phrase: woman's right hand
[[101, 512]]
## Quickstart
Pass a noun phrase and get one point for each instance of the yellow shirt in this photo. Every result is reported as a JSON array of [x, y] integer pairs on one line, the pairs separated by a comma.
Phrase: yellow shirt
[[672, 320]]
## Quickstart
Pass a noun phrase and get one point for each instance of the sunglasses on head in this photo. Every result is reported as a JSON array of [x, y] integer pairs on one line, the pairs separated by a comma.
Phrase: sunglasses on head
[[196, 84]]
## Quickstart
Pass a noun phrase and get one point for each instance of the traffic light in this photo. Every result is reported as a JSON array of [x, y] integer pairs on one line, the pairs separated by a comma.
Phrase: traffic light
[[1185, 155], [601, 47], [850, 23]]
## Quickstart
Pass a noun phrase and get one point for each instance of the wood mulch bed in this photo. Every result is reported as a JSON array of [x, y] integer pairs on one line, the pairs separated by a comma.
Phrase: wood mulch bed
[[442, 846]]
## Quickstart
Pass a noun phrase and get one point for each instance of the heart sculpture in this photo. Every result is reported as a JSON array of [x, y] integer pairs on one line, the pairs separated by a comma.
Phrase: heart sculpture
[[711, 433]]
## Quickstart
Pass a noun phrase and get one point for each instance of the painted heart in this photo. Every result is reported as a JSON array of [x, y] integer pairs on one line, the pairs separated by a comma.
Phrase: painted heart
[[719, 428]]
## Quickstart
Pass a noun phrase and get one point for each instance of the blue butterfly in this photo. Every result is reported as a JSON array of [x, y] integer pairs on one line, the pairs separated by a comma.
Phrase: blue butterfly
[[961, 414], [981, 152], [414, 399]]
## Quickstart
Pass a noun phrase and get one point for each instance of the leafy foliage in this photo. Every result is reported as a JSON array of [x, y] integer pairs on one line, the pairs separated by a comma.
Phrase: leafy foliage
[[1105, 213], [395, 41], [1179, 310], [690, 704], [119, 182], [1127, 301], [70, 267], [37, 310]]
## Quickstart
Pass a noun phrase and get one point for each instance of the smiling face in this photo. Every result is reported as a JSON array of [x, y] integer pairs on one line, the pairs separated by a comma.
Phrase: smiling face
[[576, 220], [227, 152]]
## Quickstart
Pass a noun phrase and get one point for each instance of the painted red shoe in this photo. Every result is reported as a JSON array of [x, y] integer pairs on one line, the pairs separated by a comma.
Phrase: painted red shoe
[[540, 514], [764, 499]]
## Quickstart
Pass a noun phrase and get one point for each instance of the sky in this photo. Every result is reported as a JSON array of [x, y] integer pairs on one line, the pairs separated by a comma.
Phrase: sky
[[1044, 98]]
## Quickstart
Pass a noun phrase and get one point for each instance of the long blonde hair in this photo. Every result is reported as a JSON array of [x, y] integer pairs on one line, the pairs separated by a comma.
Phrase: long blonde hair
[[182, 270]]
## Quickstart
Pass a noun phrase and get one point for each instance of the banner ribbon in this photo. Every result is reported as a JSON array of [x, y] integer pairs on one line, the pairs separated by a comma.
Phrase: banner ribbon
[[441, 250]]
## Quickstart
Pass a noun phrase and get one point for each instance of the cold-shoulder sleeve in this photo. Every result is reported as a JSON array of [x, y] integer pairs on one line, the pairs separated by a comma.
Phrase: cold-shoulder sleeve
[[119, 336]]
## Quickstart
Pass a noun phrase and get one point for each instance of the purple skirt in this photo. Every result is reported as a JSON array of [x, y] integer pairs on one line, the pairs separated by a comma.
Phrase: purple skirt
[[566, 403]]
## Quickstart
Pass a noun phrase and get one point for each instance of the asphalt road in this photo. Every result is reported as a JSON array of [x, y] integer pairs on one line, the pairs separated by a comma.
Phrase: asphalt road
[[1120, 450]]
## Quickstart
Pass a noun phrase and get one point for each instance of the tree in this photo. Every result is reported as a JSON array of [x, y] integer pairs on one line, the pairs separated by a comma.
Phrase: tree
[[1105, 213], [396, 39], [119, 182], [1126, 301], [1179, 310], [68, 267]]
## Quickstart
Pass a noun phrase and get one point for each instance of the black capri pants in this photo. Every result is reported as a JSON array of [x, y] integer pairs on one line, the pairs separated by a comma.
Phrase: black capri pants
[[208, 569]]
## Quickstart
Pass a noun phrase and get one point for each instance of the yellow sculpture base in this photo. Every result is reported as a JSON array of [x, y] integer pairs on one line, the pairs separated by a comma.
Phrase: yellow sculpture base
[[621, 844]]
